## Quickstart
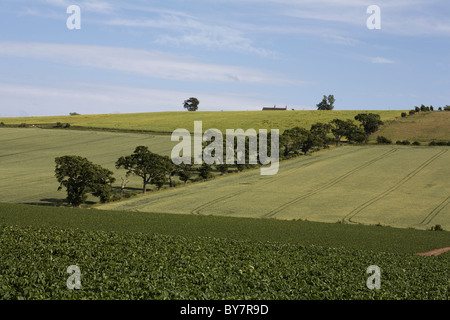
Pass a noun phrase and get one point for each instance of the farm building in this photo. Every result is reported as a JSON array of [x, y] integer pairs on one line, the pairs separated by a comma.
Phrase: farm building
[[275, 108]]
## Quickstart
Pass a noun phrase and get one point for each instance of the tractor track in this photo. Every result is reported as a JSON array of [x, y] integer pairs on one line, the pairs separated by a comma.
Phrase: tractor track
[[198, 209], [209, 203], [329, 184], [434, 212], [408, 177]]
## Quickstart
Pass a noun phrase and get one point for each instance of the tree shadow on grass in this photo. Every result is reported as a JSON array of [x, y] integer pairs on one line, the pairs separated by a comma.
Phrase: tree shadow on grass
[[53, 202], [49, 202]]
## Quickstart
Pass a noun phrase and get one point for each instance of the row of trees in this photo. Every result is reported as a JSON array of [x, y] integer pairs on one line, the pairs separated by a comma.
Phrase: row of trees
[[423, 108], [81, 177], [296, 140]]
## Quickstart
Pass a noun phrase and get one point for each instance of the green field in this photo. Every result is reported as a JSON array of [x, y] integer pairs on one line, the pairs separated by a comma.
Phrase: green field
[[169, 121], [141, 266], [309, 232], [387, 185], [27, 159], [126, 255]]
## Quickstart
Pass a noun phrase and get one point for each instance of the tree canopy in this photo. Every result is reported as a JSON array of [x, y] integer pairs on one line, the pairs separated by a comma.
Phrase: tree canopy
[[327, 103], [191, 104], [81, 177], [299, 139], [151, 167], [370, 122]]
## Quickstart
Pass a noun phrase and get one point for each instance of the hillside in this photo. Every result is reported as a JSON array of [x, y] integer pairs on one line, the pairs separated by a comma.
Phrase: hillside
[[169, 121], [423, 127], [27, 159], [388, 185]]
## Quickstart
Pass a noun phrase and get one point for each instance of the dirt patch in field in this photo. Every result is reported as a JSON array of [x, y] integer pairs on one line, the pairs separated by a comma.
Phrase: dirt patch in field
[[434, 252]]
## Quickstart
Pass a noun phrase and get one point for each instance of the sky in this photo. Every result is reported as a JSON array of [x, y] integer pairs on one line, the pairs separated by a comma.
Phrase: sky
[[150, 56]]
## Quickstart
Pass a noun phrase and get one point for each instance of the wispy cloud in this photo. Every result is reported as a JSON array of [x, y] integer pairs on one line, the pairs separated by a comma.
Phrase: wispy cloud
[[99, 6], [182, 30], [153, 64], [379, 60]]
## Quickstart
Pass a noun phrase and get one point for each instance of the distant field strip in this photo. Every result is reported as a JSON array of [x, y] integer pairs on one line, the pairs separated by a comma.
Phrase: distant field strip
[[360, 208], [222, 120], [397, 186]]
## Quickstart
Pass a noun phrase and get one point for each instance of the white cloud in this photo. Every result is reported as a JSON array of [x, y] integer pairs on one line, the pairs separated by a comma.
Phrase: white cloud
[[153, 64], [380, 60]]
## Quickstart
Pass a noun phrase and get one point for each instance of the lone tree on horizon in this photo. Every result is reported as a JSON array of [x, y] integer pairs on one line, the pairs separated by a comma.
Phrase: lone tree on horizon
[[327, 103], [191, 104]]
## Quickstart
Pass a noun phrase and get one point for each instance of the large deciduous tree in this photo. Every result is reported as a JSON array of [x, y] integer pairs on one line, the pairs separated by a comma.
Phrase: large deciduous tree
[[370, 122], [321, 130], [151, 167], [81, 177], [298, 139]]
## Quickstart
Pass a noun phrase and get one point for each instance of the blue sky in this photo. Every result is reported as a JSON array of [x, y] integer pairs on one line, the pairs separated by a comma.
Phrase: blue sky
[[149, 56]]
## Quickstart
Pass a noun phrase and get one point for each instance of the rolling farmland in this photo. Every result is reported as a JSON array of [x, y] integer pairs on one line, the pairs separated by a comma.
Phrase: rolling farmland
[[308, 232], [27, 159], [387, 185]]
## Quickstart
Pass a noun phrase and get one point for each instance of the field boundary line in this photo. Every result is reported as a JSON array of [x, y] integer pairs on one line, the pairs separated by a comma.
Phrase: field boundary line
[[329, 184], [405, 179]]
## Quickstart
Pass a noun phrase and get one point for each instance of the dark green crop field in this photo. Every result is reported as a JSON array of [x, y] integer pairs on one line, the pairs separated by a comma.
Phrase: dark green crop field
[[336, 235], [141, 266]]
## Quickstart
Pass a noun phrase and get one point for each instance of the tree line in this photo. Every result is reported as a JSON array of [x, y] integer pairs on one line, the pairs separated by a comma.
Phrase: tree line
[[80, 177]]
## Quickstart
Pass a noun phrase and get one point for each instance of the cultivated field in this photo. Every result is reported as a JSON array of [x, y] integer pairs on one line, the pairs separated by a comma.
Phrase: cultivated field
[[387, 185], [141, 266], [169, 121], [27, 159], [239, 236]]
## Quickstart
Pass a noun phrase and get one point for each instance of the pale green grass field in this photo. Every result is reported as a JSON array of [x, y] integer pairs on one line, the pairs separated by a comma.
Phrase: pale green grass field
[[387, 185], [27, 158], [423, 127], [169, 121]]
